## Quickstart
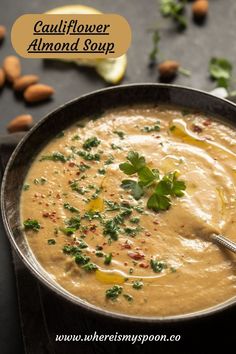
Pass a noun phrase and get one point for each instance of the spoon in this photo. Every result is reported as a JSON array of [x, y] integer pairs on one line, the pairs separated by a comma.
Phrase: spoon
[[199, 227], [223, 241]]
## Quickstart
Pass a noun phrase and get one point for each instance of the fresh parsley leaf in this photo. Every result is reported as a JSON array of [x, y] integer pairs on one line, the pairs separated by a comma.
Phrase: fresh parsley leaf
[[158, 202], [74, 222], [174, 9], [68, 230], [146, 176], [31, 224], [220, 70], [136, 189]]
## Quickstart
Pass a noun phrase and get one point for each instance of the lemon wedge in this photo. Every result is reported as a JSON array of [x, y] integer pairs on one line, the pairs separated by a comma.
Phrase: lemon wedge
[[112, 70]]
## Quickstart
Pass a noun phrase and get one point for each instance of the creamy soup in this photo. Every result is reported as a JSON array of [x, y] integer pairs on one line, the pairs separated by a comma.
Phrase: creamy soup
[[119, 210]]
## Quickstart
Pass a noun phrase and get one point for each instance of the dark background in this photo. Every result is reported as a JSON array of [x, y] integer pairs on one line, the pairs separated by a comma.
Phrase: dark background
[[193, 48]]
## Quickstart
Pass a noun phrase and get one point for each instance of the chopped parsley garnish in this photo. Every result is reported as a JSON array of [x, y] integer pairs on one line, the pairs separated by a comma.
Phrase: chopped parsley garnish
[[137, 284], [220, 70], [60, 135], [81, 259], [119, 133], [83, 167], [31, 224], [135, 220], [114, 292], [115, 147], [90, 267], [70, 208], [99, 254], [108, 259], [75, 137], [154, 128], [26, 187], [157, 266], [128, 297], [68, 230], [132, 231], [101, 171], [74, 222], [40, 180], [110, 160], [91, 215], [111, 228], [51, 241], [162, 189], [55, 156], [88, 156], [110, 206], [75, 187], [91, 142], [72, 250]]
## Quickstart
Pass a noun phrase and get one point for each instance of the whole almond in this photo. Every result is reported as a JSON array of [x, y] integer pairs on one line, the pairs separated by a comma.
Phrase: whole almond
[[38, 92], [23, 82], [12, 67], [200, 8], [168, 69], [2, 32], [2, 78], [20, 123]]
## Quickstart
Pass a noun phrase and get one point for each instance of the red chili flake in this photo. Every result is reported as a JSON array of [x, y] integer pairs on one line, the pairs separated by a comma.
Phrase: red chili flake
[[46, 204], [207, 122], [93, 228], [196, 129], [58, 196], [78, 173], [45, 215], [147, 233], [143, 265], [156, 222], [143, 241], [112, 194], [71, 164], [136, 255], [125, 263], [157, 136], [127, 245]]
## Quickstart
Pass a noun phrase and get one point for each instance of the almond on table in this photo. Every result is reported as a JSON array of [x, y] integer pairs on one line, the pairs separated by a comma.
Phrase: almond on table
[[200, 8], [38, 92], [20, 123], [23, 82], [12, 67], [2, 32], [168, 69], [2, 77]]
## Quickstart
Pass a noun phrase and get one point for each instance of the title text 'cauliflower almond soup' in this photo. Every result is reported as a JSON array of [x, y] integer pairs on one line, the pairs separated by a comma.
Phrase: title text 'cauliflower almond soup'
[[119, 211]]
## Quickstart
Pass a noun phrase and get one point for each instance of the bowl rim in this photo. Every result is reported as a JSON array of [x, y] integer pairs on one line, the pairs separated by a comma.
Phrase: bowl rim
[[55, 287]]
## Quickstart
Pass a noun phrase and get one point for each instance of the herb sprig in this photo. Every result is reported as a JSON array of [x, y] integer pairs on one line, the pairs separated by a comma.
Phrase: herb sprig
[[162, 188]]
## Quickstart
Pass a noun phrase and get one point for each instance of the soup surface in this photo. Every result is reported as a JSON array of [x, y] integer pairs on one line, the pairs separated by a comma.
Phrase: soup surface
[[119, 211]]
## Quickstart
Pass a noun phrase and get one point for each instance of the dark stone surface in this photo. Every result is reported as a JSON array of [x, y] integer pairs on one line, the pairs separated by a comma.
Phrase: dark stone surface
[[193, 48]]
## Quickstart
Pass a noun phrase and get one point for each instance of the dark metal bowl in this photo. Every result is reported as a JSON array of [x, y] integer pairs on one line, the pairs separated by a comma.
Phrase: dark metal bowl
[[91, 105]]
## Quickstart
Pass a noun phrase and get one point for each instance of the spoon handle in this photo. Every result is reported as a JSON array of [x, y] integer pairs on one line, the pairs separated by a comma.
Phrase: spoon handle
[[221, 240]]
